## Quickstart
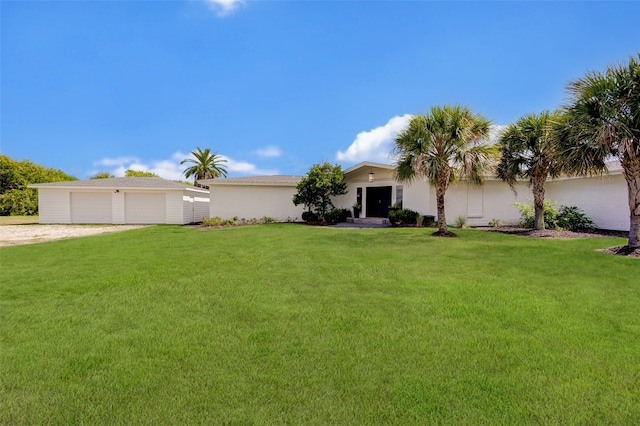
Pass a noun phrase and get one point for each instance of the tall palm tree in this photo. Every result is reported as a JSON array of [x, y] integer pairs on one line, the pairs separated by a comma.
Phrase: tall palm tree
[[205, 165], [444, 145], [528, 151], [603, 123]]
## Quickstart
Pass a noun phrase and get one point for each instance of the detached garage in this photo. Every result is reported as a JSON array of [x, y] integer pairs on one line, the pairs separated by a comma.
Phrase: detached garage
[[129, 200]]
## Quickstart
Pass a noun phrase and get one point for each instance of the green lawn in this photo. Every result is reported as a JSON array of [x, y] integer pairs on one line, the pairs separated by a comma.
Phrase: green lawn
[[289, 324]]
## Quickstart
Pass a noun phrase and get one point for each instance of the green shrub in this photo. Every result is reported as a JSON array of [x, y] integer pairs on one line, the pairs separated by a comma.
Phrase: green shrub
[[403, 217], [573, 219], [337, 215], [570, 218], [527, 214], [267, 219], [427, 220], [310, 217]]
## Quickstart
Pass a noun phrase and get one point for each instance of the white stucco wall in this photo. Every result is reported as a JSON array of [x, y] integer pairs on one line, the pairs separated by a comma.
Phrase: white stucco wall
[[604, 199], [419, 196], [480, 205], [254, 202]]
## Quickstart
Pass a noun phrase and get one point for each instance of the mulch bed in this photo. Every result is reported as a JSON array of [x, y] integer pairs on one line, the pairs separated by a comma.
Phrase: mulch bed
[[552, 233]]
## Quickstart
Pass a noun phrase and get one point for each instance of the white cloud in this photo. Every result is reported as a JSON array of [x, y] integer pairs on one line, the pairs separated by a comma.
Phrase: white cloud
[[109, 162], [224, 7], [269, 152], [171, 168], [246, 168], [375, 144]]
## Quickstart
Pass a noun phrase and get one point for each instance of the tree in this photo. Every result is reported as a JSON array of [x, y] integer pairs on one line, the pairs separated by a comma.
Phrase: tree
[[444, 145], [139, 173], [205, 165], [103, 175], [15, 198], [528, 151], [321, 182], [602, 123]]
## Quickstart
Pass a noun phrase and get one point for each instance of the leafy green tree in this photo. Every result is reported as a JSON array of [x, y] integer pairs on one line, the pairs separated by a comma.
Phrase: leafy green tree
[[528, 151], [15, 198], [315, 190], [444, 145], [102, 175], [139, 173], [205, 165], [602, 122]]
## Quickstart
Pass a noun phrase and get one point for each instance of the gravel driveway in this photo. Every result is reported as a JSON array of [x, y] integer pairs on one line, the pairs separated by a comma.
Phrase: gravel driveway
[[12, 235]]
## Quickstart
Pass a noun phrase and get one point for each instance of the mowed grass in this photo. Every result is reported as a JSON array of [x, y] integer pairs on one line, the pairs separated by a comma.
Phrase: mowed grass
[[290, 324]]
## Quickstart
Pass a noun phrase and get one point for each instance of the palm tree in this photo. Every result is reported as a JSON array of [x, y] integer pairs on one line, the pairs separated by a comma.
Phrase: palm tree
[[205, 165], [528, 149], [603, 123], [444, 145]]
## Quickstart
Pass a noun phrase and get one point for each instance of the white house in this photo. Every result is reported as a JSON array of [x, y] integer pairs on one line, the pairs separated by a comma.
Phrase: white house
[[128, 200], [373, 186]]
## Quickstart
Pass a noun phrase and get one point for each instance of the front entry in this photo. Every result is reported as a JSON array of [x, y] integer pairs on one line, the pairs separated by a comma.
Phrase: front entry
[[378, 201]]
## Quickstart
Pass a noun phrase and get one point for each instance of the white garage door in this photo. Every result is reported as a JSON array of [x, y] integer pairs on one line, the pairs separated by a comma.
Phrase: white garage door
[[91, 207], [144, 208]]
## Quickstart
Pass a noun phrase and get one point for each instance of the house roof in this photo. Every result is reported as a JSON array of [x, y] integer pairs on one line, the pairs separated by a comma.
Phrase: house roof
[[120, 183], [280, 180], [368, 165], [275, 180], [613, 167]]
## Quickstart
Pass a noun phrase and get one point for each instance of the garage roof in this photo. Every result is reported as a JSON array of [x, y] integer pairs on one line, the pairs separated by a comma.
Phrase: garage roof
[[120, 183]]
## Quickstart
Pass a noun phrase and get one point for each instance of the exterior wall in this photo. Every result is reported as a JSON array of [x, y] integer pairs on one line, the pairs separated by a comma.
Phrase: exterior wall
[[117, 208], [174, 213], [254, 201], [187, 207], [479, 205], [201, 207], [54, 206], [419, 196], [604, 199]]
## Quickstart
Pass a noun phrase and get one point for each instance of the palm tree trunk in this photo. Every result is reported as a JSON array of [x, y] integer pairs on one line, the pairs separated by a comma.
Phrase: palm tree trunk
[[538, 201], [631, 171], [442, 221]]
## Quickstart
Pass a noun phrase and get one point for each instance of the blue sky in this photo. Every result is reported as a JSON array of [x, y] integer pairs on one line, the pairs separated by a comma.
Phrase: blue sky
[[276, 86]]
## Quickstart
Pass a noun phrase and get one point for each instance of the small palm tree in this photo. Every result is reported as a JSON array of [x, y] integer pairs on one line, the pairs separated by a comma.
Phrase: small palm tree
[[602, 123], [528, 151], [205, 165], [445, 145]]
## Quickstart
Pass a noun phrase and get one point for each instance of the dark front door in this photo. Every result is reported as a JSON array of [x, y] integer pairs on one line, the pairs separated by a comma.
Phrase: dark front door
[[378, 201]]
